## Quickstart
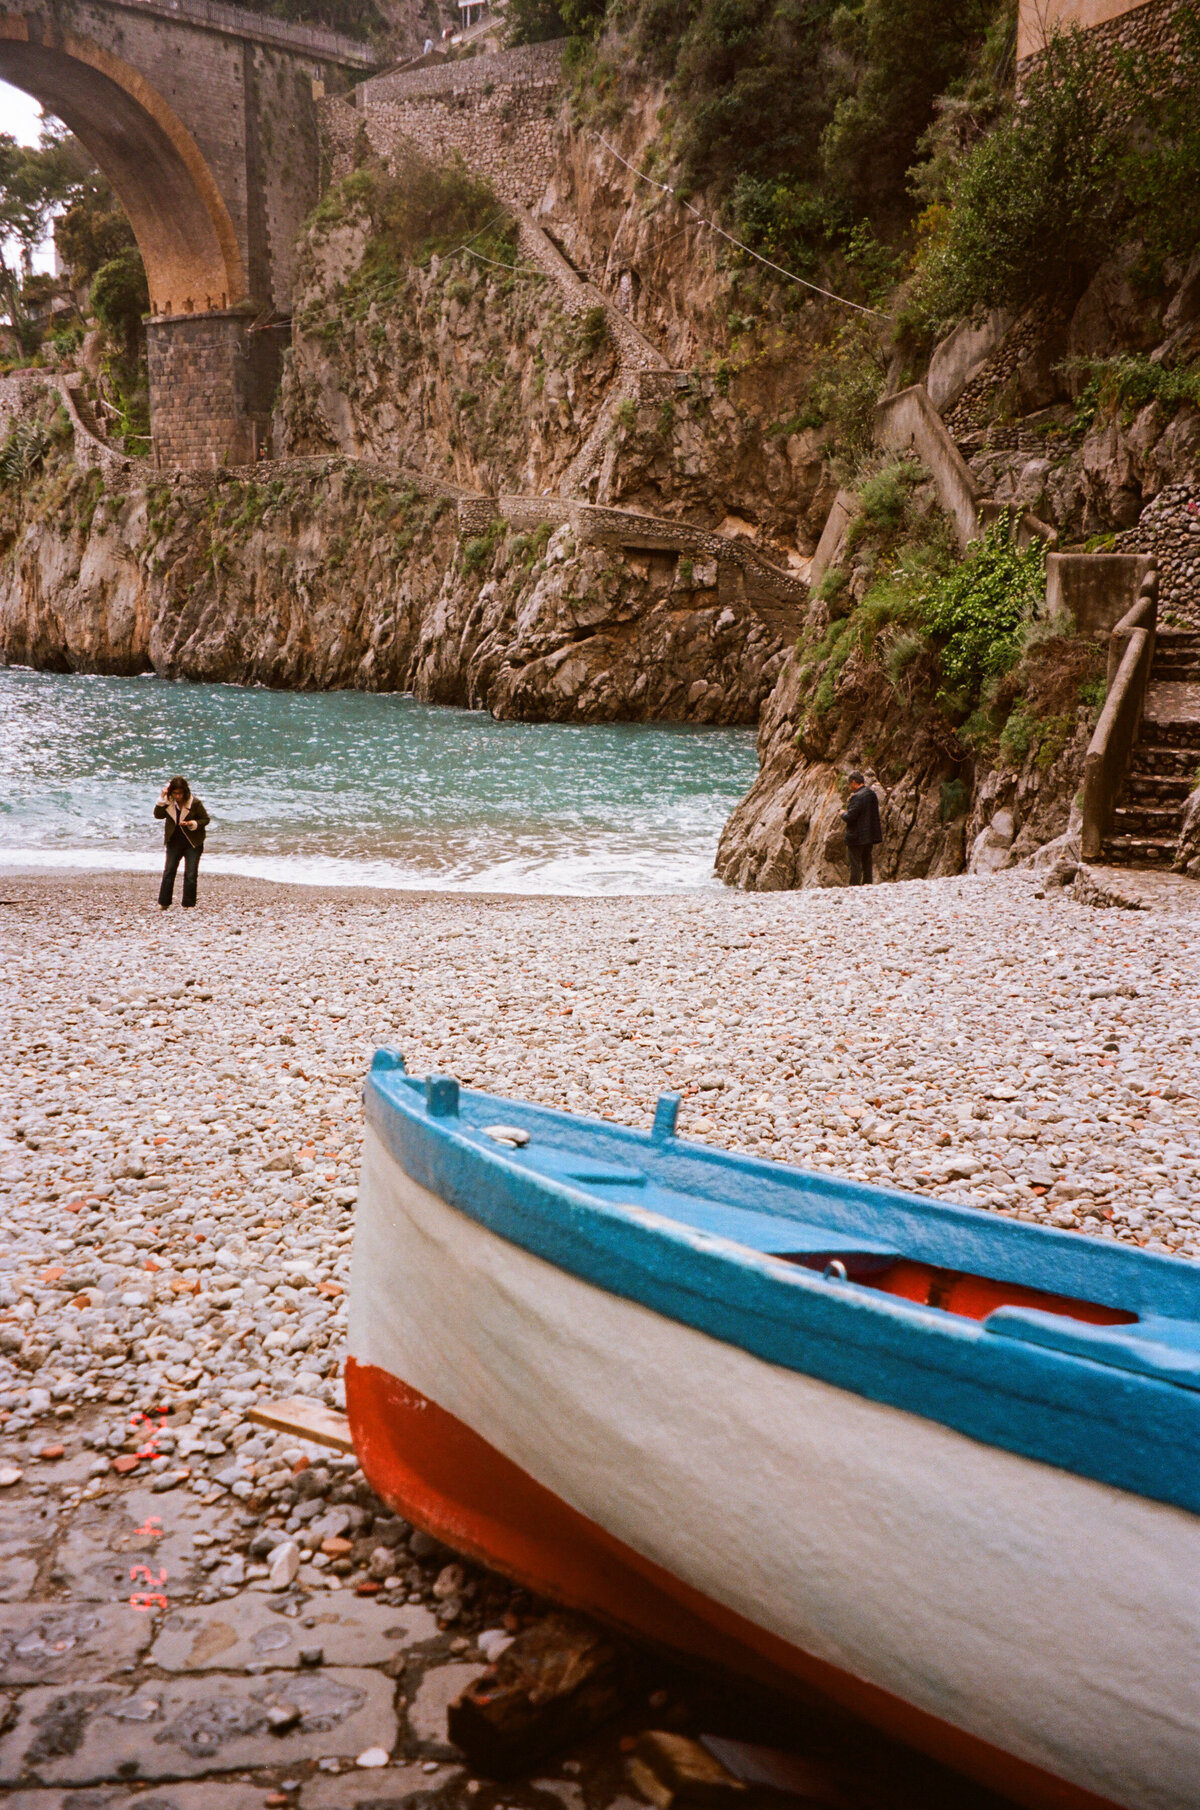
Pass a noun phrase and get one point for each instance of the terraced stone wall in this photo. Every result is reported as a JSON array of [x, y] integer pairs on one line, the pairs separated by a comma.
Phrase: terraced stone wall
[[1118, 24], [498, 112]]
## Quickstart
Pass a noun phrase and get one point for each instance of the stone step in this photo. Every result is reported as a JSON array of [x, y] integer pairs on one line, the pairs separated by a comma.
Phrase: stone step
[[1163, 762], [1147, 820], [1156, 788], [1130, 851], [1177, 669], [1178, 637], [1175, 732]]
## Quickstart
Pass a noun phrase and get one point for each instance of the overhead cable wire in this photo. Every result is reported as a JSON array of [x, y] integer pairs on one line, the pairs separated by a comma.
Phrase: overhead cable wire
[[712, 226], [522, 270]]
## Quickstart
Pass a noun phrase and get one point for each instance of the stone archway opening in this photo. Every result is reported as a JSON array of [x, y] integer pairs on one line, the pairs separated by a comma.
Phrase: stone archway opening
[[182, 227]]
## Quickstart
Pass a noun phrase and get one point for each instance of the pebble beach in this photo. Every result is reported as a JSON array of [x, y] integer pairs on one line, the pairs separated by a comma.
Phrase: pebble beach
[[179, 1146]]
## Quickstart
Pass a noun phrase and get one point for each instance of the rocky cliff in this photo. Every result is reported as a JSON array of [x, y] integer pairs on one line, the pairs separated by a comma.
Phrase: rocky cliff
[[326, 573]]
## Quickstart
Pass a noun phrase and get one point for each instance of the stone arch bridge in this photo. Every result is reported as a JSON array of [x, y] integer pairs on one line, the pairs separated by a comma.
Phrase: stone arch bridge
[[204, 119]]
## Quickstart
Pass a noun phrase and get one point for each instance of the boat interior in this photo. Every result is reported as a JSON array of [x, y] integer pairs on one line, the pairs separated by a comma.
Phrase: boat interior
[[913, 1252]]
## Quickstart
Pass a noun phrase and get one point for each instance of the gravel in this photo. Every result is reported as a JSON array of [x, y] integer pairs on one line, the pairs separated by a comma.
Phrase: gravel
[[180, 1137], [179, 1150]]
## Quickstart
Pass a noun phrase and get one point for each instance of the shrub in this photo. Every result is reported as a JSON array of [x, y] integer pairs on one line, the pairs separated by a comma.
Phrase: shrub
[[785, 219], [591, 331], [1130, 380], [846, 385], [1016, 737], [979, 610], [24, 452], [477, 553], [902, 650], [885, 496], [1094, 151], [832, 584], [906, 53], [534, 21], [424, 210]]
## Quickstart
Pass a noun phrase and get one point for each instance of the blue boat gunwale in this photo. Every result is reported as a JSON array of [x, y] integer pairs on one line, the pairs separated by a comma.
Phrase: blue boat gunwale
[[1124, 1428]]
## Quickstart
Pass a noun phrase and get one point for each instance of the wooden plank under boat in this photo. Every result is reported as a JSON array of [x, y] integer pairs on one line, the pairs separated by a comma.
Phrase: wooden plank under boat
[[941, 1465]]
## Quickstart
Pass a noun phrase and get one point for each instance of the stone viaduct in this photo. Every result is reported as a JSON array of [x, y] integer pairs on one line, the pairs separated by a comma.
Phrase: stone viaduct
[[204, 119]]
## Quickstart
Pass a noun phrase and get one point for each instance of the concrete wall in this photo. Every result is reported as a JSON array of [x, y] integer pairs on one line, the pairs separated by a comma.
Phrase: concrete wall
[[908, 422], [1095, 589]]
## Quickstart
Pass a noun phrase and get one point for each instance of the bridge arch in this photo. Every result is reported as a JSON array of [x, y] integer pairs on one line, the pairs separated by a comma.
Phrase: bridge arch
[[204, 117], [183, 228]]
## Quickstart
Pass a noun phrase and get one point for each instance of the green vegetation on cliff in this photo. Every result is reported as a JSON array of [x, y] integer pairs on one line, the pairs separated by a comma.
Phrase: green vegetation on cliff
[[1098, 152]]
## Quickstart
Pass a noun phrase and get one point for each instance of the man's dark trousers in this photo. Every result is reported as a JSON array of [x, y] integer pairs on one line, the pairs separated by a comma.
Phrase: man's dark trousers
[[862, 869], [180, 849]]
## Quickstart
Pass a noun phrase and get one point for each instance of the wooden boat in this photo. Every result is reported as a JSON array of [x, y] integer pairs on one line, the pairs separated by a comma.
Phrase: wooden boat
[[941, 1465]]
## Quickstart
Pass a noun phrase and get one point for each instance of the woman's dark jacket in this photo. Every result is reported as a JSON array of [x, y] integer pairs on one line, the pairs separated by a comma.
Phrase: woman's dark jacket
[[862, 819], [195, 812]]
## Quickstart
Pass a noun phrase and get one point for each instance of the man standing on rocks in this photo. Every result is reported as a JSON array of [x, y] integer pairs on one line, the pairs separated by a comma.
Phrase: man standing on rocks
[[184, 823], [863, 830]]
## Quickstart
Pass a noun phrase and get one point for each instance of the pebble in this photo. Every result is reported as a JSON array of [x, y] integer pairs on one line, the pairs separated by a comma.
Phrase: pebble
[[958, 1036], [181, 1136]]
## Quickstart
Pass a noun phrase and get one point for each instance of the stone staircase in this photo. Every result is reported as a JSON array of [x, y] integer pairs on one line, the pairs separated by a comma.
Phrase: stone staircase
[[1166, 759]]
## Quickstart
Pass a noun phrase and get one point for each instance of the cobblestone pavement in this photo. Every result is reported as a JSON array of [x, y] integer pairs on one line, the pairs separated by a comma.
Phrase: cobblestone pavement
[[196, 1612]]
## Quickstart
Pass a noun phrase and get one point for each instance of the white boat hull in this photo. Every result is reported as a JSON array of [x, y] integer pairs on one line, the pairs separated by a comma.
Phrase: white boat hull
[[1042, 1615]]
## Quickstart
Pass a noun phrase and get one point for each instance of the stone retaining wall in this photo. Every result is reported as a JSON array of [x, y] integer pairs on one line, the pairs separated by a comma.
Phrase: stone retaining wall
[[1169, 530], [1146, 25], [498, 112]]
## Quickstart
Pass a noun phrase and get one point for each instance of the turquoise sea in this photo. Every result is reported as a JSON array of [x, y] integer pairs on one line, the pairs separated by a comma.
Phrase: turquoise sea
[[359, 789]]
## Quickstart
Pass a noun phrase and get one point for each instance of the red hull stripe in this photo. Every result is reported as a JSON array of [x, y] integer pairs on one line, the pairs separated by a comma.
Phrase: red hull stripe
[[444, 1477]]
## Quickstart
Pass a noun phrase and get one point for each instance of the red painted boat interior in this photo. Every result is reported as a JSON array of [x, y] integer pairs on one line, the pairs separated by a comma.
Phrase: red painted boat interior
[[443, 1476], [974, 1297]]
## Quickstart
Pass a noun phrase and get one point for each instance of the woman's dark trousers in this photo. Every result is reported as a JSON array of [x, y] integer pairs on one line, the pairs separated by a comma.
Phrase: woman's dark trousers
[[180, 849]]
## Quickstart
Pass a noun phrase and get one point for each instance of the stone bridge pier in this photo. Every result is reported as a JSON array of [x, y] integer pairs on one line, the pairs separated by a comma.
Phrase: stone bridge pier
[[204, 119]]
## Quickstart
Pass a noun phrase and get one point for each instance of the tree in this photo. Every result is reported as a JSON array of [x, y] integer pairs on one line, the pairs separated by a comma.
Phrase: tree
[[35, 181], [120, 299], [904, 54], [92, 230]]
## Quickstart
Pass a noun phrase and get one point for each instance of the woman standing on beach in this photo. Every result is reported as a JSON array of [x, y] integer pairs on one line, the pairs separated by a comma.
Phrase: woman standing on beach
[[185, 821]]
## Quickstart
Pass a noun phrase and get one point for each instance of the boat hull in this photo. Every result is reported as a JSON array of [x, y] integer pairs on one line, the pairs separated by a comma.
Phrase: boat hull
[[1031, 1627]]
